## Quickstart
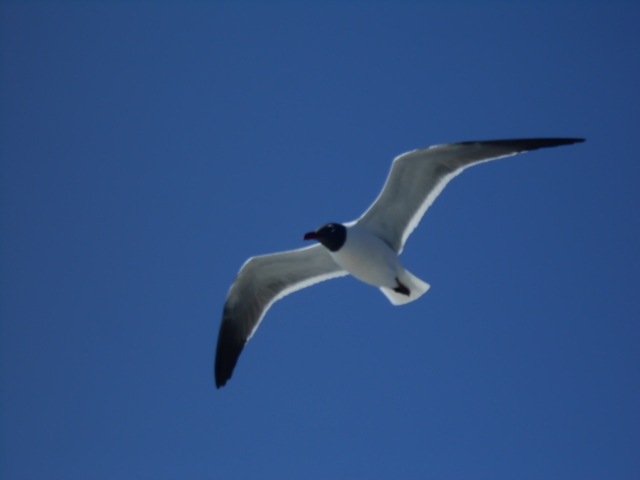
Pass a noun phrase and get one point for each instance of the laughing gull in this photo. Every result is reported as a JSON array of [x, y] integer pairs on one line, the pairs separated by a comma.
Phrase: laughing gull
[[366, 248]]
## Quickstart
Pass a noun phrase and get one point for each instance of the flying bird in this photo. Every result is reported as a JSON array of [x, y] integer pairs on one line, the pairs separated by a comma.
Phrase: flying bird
[[366, 248]]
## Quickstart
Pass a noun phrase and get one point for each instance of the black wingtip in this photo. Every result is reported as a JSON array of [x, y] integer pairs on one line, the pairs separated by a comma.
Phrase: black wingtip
[[226, 360], [535, 143], [231, 341], [527, 144]]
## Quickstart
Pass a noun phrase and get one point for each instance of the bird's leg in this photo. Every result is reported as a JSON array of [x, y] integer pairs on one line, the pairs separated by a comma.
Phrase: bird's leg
[[402, 289]]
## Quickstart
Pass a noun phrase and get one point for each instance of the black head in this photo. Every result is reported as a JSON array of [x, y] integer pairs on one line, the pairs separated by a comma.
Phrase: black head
[[331, 235]]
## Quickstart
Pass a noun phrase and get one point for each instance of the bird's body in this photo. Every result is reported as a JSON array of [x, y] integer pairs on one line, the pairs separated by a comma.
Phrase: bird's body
[[371, 260], [368, 258], [367, 248]]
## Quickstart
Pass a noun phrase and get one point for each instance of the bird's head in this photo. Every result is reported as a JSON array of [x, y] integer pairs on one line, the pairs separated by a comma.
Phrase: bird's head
[[331, 235]]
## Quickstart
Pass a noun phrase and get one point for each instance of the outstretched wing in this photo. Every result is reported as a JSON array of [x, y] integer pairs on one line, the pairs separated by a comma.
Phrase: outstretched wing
[[418, 177], [261, 282]]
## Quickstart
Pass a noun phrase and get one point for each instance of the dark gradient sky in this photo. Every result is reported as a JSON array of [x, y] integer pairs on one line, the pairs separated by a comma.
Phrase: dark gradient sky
[[149, 149]]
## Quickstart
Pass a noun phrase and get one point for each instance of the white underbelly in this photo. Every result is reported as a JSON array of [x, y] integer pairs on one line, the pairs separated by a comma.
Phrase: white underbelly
[[368, 258]]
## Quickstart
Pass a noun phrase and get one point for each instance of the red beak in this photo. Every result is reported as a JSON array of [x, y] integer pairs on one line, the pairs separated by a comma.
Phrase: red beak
[[310, 236]]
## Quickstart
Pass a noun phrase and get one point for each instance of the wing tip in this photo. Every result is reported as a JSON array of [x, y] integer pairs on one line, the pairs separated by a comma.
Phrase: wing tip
[[226, 360], [527, 144], [221, 382], [231, 342]]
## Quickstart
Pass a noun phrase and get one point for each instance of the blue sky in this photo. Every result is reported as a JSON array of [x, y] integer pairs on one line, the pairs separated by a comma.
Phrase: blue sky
[[149, 149]]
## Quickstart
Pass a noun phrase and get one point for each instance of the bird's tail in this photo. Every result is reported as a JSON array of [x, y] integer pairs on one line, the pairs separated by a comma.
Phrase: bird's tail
[[416, 288]]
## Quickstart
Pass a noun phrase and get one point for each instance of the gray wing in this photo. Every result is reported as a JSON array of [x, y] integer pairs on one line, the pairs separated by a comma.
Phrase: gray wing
[[261, 282], [418, 177]]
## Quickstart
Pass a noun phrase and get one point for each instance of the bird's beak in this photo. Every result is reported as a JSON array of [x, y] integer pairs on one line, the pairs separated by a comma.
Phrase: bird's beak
[[310, 236]]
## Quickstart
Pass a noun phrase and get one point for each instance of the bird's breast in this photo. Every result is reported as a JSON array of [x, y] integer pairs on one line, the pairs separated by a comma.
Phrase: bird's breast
[[368, 258]]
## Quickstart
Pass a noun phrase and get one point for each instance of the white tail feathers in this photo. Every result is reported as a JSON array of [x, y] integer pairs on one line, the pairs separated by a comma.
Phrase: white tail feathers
[[416, 286]]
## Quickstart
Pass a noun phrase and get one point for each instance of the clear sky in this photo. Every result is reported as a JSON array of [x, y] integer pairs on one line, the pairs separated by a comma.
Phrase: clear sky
[[149, 149]]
